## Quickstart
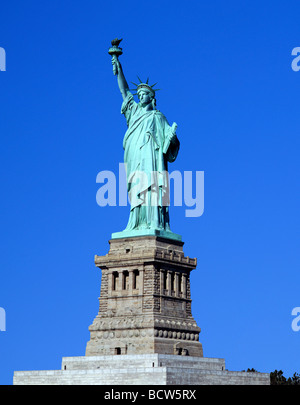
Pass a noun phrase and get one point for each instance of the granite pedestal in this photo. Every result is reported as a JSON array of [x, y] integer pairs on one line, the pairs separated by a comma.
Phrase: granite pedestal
[[144, 332]]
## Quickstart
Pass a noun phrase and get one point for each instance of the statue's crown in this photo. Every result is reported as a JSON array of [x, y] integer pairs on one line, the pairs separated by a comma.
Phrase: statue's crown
[[146, 86]]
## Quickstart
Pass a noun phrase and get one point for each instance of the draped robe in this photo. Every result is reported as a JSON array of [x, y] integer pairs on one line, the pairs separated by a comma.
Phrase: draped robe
[[147, 151]]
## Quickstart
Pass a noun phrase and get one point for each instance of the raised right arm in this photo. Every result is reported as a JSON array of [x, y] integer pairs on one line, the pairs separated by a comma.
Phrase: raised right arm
[[123, 85]]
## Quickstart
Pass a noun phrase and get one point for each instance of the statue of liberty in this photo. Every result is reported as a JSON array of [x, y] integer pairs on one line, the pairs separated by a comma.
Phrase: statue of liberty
[[149, 144]]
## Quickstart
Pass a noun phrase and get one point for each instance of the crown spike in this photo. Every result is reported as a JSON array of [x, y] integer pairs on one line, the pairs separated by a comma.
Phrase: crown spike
[[144, 85]]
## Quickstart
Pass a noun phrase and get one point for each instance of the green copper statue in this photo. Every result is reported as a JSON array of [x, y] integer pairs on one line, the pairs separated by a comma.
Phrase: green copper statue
[[149, 144]]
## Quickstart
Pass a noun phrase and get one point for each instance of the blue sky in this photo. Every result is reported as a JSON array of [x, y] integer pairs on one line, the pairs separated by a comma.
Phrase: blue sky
[[224, 70]]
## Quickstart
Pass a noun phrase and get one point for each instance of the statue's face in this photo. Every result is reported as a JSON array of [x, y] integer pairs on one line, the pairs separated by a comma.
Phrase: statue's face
[[145, 97]]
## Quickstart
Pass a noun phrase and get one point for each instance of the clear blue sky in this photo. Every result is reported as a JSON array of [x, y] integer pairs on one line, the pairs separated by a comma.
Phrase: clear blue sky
[[225, 73]]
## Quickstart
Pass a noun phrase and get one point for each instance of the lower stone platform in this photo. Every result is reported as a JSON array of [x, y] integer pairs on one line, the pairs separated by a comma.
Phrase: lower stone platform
[[145, 369]]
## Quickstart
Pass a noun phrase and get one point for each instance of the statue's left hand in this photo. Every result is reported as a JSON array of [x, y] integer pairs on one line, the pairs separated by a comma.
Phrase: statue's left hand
[[172, 133], [174, 128]]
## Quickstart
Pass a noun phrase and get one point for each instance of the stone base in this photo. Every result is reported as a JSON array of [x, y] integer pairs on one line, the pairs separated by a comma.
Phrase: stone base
[[146, 369], [145, 300]]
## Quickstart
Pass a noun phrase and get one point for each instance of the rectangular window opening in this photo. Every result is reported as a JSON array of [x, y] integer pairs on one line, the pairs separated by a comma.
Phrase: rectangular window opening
[[136, 274], [125, 280], [115, 277]]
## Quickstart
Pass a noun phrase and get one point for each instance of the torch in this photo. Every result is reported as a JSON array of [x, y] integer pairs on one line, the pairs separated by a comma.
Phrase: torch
[[115, 51]]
